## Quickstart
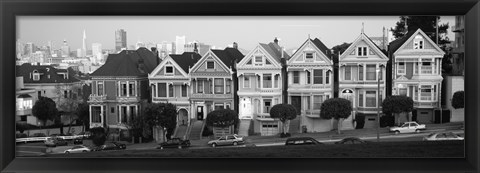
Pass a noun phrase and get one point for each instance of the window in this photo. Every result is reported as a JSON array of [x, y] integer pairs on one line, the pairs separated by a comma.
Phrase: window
[[370, 98], [131, 88], [258, 81], [112, 110], [36, 75], [309, 77], [228, 85], [348, 73], [258, 60], [184, 90], [219, 86], [267, 61], [267, 80], [123, 89], [65, 94], [361, 51], [371, 72], [426, 67], [296, 77], [249, 61], [380, 73], [218, 106], [200, 86], [360, 72], [402, 91], [170, 90], [39, 94], [23, 118], [210, 65], [246, 81], [100, 88], [327, 78], [308, 102], [267, 104], [401, 68], [228, 106], [124, 114], [426, 92], [277, 80], [309, 55], [418, 42], [168, 70], [360, 99], [162, 90], [317, 76], [96, 111], [317, 101]]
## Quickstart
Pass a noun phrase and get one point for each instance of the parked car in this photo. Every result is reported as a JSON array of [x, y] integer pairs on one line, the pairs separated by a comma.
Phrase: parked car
[[351, 140], [227, 140], [85, 135], [112, 146], [39, 135], [408, 127], [174, 143], [442, 136], [78, 149], [302, 141], [55, 141], [78, 141]]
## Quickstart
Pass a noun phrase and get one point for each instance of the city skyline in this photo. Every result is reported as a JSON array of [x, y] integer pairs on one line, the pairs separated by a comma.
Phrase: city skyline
[[215, 31]]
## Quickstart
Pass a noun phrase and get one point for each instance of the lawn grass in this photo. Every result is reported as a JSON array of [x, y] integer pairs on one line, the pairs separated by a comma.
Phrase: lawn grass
[[416, 149]]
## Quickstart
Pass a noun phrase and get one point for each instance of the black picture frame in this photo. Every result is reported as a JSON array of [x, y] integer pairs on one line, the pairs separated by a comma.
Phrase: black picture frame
[[11, 8]]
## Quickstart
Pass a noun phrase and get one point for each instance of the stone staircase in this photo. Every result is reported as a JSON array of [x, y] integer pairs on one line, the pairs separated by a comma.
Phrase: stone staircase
[[196, 130], [181, 131], [295, 125], [244, 126]]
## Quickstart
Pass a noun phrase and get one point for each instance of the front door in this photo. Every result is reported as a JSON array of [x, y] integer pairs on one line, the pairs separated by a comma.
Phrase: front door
[[199, 112], [297, 103]]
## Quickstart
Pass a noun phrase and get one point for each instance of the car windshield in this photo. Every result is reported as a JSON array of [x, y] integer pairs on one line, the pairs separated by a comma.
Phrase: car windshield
[[405, 125]]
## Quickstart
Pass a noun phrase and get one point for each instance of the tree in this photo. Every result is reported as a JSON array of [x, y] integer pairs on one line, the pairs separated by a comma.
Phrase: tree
[[82, 112], [222, 118], [398, 105], [428, 25], [45, 109], [161, 115], [99, 136], [339, 49], [284, 112], [337, 108], [458, 100]]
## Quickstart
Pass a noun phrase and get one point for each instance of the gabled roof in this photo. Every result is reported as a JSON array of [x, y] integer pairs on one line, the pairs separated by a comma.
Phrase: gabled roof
[[319, 44], [394, 45], [369, 41], [27, 69], [275, 51], [186, 60], [228, 56], [128, 63]]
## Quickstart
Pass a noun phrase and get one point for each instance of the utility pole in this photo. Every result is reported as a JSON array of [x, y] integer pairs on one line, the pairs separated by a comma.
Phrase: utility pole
[[436, 28]]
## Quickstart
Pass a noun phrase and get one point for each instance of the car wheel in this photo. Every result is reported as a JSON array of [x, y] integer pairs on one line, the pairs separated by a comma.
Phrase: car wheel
[[214, 145], [397, 132], [84, 151], [161, 148], [67, 152], [235, 143], [417, 131]]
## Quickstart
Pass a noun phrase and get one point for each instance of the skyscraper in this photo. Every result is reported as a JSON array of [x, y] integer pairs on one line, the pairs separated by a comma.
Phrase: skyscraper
[[97, 51], [84, 45], [180, 43], [120, 40], [65, 49]]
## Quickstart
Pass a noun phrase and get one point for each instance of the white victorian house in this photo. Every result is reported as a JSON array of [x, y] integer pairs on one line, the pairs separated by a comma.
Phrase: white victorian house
[[417, 73], [260, 88], [310, 82], [362, 68]]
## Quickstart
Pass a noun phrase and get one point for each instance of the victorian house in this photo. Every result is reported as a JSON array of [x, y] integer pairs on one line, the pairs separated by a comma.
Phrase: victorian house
[[46, 81], [362, 81], [212, 81], [119, 87], [260, 88], [310, 82], [170, 83], [417, 73]]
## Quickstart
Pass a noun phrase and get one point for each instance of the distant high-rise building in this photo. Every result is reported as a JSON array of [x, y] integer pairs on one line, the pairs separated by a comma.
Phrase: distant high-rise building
[[29, 48], [196, 46], [79, 52], [180, 44], [120, 40], [97, 51], [84, 45], [65, 49]]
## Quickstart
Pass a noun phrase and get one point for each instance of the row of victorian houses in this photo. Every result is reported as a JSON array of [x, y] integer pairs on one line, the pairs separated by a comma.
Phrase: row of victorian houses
[[253, 83]]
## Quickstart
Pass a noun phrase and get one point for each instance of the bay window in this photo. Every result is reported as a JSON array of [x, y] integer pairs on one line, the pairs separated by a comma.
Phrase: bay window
[[348, 73], [309, 76], [296, 77], [184, 90], [277, 80], [246, 81], [371, 72], [317, 102], [219, 86], [170, 90], [200, 86], [426, 93], [401, 68], [370, 98], [162, 90], [318, 76], [360, 99], [228, 85], [267, 80], [360, 72], [100, 88]]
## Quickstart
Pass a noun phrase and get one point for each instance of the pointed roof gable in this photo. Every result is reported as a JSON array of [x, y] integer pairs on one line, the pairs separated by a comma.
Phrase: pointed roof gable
[[46, 70], [228, 56], [317, 43], [186, 60], [127, 62], [370, 43], [275, 51], [401, 42]]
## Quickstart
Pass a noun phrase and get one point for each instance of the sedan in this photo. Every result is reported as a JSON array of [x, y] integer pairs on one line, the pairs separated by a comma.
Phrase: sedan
[[174, 143], [55, 141], [302, 141], [78, 149], [442, 136], [351, 140], [227, 140], [113, 146]]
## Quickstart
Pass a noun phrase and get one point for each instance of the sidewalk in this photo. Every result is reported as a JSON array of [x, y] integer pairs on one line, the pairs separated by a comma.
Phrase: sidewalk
[[331, 135]]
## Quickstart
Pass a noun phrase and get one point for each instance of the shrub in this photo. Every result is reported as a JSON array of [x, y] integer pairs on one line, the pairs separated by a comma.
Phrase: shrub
[[98, 136], [222, 118], [458, 100]]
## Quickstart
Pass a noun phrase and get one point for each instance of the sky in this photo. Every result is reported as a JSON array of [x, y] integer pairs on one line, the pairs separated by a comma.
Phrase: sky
[[219, 31]]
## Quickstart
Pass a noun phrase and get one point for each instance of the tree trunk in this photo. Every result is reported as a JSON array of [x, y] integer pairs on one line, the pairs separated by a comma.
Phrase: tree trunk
[[286, 126], [339, 126]]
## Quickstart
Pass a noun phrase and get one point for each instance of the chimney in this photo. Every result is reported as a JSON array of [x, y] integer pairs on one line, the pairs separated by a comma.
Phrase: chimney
[[275, 40], [235, 45], [195, 49]]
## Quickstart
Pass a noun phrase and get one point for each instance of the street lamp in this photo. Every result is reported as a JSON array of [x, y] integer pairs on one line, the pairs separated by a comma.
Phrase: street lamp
[[378, 104]]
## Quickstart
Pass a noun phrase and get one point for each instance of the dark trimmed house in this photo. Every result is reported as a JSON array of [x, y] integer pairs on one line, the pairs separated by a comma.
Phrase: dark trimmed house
[[119, 87]]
